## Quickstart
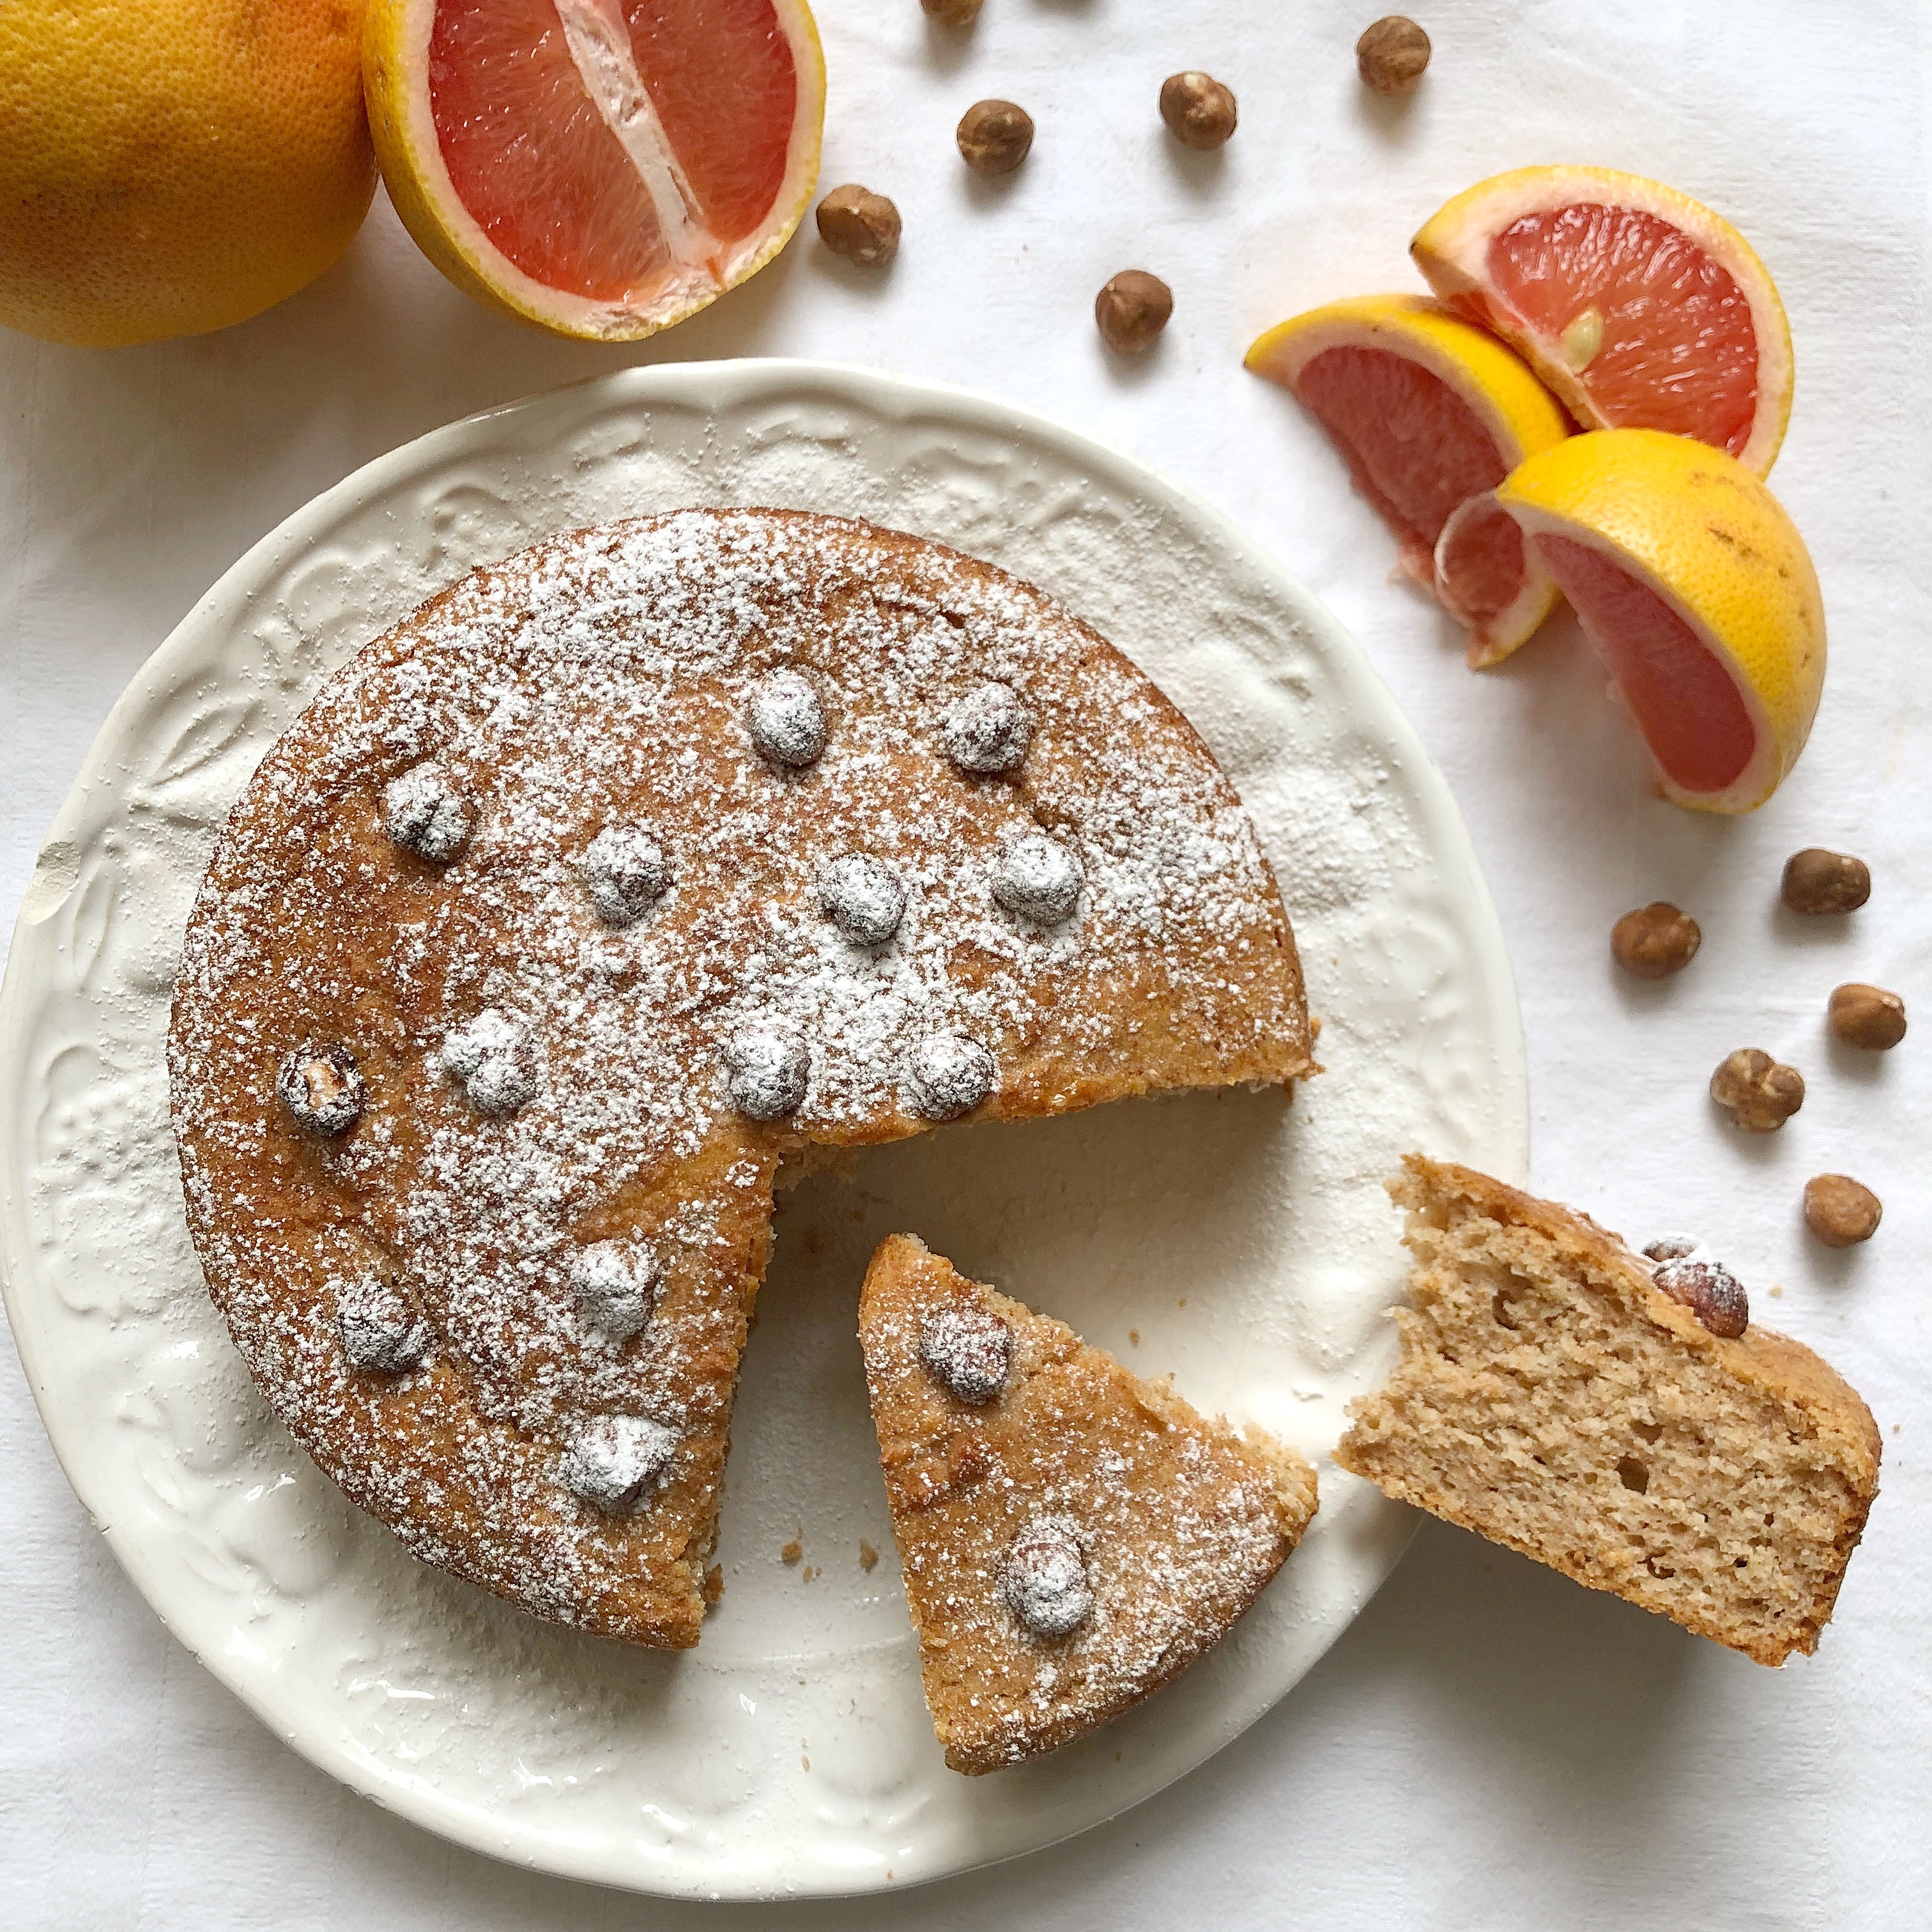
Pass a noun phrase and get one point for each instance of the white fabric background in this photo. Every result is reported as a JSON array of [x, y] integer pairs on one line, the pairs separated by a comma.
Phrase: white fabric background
[[1489, 1747]]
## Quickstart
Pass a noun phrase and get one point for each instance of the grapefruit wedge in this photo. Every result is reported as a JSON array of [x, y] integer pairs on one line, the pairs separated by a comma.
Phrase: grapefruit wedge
[[1640, 307], [1696, 591], [603, 168], [1432, 414]]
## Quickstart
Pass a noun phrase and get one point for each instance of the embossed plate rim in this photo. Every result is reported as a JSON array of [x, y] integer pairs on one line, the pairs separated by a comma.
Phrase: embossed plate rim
[[1364, 699]]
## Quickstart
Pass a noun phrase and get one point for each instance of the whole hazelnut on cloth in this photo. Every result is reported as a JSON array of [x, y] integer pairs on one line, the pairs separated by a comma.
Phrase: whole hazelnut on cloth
[[952, 13], [1199, 111], [1760, 1094], [1710, 1290], [995, 136], [1656, 941], [1866, 1016], [1815, 880], [1840, 1211], [1132, 311], [862, 226], [1392, 54]]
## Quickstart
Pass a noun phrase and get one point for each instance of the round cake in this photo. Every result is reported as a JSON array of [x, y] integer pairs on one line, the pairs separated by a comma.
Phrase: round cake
[[570, 908]]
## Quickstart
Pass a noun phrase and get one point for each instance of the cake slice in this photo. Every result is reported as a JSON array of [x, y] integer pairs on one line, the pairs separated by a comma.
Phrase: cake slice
[[1071, 1535], [1552, 1397]]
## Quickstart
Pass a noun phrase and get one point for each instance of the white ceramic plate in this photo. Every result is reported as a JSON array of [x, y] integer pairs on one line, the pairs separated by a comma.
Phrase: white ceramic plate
[[1243, 1244]]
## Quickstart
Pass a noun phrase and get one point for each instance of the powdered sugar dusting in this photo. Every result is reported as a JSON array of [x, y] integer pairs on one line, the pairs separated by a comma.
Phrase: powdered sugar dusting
[[1072, 1541], [642, 977]]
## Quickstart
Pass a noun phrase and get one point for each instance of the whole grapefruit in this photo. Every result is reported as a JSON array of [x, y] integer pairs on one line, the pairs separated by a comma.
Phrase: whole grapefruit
[[170, 167]]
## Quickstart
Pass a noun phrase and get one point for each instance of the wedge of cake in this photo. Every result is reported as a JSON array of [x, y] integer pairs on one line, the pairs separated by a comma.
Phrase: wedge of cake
[[1553, 1396], [1072, 1536], [625, 870]]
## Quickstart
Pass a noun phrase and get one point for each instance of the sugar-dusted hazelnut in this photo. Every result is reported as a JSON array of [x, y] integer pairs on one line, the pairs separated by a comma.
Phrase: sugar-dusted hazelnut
[[616, 1284], [1671, 1248], [1132, 311], [787, 720], [951, 13], [1866, 1016], [379, 1331], [493, 1058], [866, 900], [617, 1462], [995, 136], [1840, 1211], [1711, 1293], [859, 225], [967, 1349], [767, 1070], [1656, 941], [1815, 880], [948, 1075], [987, 730], [624, 873], [1759, 1093], [321, 1087], [1043, 1578], [424, 812], [1392, 54], [1038, 879], [1199, 111]]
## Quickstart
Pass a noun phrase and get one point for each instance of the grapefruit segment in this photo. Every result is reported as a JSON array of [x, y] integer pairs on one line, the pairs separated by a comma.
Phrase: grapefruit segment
[[1682, 698], [602, 167], [1638, 306], [1430, 413], [1695, 588]]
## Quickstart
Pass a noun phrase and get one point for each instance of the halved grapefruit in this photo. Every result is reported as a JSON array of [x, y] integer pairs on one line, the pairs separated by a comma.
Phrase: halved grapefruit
[[1432, 414], [604, 168], [1696, 590], [1640, 307]]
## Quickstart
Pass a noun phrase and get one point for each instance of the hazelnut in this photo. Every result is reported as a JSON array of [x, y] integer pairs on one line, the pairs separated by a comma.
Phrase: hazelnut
[[1760, 1094], [1816, 881], [1671, 1248], [1132, 311], [321, 1087], [1711, 1293], [1655, 941], [1867, 1016], [952, 13], [1199, 111], [859, 225], [1840, 1211], [1392, 54], [995, 136]]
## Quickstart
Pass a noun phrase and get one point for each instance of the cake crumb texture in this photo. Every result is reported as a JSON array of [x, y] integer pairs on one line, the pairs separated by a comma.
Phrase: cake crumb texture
[[1550, 1398]]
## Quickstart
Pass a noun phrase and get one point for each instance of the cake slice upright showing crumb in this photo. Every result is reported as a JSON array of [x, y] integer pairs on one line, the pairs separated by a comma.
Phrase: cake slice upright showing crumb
[[1551, 1397], [1072, 1536]]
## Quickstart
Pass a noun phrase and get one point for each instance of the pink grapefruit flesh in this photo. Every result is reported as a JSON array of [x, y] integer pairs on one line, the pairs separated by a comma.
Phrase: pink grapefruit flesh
[[1415, 448], [539, 167], [1686, 703], [1679, 349], [1479, 562]]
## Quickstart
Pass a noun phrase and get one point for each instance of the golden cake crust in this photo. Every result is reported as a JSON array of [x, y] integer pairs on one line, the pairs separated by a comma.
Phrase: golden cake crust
[[537, 1081], [1183, 1521], [1472, 1426]]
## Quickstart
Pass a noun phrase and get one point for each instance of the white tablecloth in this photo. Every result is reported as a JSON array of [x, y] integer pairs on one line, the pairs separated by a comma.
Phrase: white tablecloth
[[1489, 1747]]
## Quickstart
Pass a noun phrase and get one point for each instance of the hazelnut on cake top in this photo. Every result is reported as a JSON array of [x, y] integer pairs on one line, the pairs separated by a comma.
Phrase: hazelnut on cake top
[[572, 906]]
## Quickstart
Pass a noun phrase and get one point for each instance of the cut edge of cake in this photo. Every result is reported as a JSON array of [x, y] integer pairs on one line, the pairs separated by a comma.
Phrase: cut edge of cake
[[1550, 1397]]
